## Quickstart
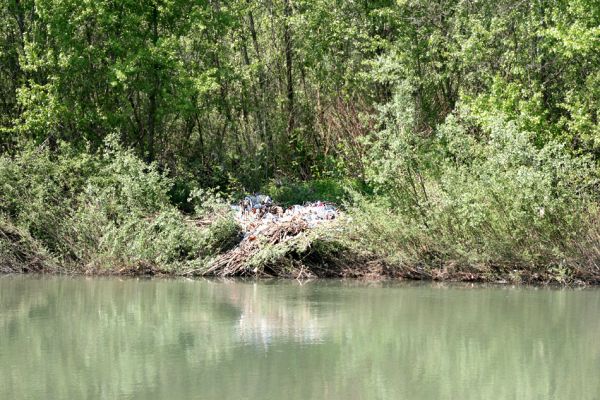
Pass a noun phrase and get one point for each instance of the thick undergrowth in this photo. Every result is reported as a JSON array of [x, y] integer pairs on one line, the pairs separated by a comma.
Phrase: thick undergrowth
[[19, 253], [460, 138], [440, 207], [477, 199]]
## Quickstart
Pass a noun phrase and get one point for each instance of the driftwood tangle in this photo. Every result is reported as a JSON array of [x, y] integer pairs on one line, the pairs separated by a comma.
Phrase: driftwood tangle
[[235, 262]]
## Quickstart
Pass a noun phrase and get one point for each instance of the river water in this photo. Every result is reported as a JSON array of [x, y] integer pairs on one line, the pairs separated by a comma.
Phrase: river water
[[100, 338]]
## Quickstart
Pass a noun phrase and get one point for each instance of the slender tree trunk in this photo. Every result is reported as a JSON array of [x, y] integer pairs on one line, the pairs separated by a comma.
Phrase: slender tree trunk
[[544, 62], [287, 38], [152, 107], [262, 112], [261, 74]]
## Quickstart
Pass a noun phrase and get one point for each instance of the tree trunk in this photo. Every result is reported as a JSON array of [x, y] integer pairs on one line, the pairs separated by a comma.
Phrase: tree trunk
[[287, 38], [152, 107]]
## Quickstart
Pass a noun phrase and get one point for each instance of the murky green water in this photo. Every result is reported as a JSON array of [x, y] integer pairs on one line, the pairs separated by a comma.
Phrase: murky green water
[[67, 338]]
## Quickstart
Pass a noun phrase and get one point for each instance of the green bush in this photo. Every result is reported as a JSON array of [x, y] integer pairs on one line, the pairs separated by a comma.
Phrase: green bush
[[471, 193], [19, 252], [107, 211], [39, 193], [299, 192]]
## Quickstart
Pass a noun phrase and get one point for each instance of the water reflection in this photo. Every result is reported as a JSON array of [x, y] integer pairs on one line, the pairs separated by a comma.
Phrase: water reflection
[[263, 323], [65, 338]]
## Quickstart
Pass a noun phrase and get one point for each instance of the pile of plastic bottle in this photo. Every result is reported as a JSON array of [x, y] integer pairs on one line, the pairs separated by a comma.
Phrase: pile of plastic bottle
[[255, 211]]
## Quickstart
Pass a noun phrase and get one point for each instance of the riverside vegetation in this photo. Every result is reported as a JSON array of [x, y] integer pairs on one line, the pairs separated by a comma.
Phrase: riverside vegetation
[[460, 138]]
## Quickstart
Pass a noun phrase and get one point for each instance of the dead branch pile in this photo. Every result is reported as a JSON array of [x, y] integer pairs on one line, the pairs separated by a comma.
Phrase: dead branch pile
[[19, 253], [236, 261]]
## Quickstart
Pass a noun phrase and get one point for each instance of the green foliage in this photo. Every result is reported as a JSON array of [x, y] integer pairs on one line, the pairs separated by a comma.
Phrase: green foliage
[[108, 211], [19, 252], [469, 129], [491, 198], [165, 240], [39, 192], [399, 156], [289, 193], [126, 186]]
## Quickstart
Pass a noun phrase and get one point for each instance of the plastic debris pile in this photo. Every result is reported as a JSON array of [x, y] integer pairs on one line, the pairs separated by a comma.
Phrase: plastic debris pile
[[267, 224], [255, 213]]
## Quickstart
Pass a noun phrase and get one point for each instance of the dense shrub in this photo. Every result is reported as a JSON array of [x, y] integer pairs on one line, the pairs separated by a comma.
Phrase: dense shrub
[[110, 210], [298, 192], [19, 252], [476, 192]]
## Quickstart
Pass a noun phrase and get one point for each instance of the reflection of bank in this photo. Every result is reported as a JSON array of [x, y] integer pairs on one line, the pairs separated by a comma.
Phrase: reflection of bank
[[266, 319], [265, 329]]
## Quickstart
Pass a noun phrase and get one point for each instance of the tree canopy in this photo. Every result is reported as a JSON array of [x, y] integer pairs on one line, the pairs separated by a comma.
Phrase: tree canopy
[[250, 90]]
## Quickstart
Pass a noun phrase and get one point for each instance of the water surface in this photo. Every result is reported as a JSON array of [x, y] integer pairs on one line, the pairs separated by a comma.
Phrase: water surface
[[98, 338]]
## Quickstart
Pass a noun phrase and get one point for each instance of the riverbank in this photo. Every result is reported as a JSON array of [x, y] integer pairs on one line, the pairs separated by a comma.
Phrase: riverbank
[[460, 139], [79, 213], [291, 251]]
